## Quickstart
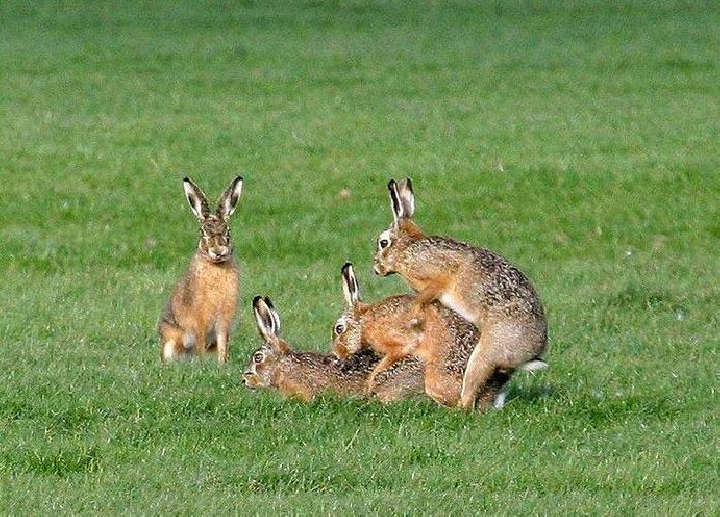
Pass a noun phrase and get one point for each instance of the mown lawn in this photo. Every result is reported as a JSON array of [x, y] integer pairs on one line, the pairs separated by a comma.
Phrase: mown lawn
[[579, 139]]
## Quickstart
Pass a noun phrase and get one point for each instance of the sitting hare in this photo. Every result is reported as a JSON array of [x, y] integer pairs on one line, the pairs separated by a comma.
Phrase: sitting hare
[[202, 307]]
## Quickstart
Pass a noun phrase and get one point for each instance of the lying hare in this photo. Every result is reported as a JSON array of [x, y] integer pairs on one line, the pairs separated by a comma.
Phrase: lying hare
[[444, 344], [307, 374], [476, 283], [201, 309]]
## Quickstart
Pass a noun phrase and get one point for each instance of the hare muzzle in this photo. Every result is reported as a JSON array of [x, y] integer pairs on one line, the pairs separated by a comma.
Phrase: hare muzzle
[[379, 269], [219, 254], [250, 380]]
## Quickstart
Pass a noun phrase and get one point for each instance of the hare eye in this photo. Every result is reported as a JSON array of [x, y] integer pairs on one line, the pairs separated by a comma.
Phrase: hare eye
[[339, 328], [384, 243], [258, 357]]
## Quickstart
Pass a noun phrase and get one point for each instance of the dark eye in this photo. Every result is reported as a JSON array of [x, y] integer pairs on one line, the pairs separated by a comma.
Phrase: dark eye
[[384, 243], [258, 357], [339, 328]]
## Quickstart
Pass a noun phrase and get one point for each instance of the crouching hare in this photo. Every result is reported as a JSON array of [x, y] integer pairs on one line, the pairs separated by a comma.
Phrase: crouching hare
[[201, 309], [444, 343], [477, 283], [305, 375]]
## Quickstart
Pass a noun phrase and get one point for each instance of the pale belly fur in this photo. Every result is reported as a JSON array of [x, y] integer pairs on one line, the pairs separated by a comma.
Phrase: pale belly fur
[[451, 301]]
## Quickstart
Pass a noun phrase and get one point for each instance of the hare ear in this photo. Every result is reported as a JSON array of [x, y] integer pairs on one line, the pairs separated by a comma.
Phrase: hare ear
[[196, 198], [395, 202], [268, 323], [351, 289], [264, 320], [228, 200], [407, 198], [274, 314]]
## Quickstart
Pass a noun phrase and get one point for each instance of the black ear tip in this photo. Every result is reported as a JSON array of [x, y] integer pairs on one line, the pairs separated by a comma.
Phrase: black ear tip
[[346, 268], [269, 303], [256, 300], [391, 184], [238, 178], [186, 180]]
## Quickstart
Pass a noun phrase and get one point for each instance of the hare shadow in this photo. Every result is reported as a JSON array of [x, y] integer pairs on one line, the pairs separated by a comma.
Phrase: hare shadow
[[529, 394]]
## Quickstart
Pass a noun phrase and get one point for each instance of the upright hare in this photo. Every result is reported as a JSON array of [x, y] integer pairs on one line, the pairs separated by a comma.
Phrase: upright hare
[[201, 309], [477, 283], [444, 343], [307, 374]]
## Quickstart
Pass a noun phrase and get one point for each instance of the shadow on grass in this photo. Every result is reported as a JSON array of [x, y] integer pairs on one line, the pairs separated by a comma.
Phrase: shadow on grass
[[530, 394]]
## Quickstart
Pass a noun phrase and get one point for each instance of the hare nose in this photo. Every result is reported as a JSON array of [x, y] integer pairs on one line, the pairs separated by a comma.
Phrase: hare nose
[[218, 252]]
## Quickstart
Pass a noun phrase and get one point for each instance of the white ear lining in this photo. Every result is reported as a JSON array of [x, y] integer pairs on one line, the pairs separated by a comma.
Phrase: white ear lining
[[355, 288], [231, 197], [396, 204], [274, 316], [351, 290], [407, 198], [266, 325], [196, 199]]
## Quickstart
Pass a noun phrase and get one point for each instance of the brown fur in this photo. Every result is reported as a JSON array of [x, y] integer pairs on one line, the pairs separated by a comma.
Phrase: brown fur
[[444, 344], [202, 307], [475, 282], [305, 375]]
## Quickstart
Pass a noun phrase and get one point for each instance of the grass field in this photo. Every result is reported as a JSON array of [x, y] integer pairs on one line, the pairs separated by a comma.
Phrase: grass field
[[579, 139]]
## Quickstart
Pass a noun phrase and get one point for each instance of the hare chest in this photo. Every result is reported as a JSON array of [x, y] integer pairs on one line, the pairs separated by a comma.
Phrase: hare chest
[[216, 297]]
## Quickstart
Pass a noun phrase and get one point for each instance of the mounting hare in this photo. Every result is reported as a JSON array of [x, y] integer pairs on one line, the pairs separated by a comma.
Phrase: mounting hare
[[444, 343], [305, 375], [203, 304], [477, 283]]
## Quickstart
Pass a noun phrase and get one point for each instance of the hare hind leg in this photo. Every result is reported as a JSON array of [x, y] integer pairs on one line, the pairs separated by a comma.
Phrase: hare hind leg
[[477, 374], [482, 364], [171, 343], [505, 345]]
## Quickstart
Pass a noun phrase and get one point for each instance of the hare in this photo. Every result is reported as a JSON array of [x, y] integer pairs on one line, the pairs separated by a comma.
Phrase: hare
[[305, 375], [201, 309], [444, 344], [477, 283]]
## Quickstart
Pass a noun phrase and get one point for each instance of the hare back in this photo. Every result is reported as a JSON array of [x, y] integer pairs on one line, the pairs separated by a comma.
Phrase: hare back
[[479, 282], [312, 373]]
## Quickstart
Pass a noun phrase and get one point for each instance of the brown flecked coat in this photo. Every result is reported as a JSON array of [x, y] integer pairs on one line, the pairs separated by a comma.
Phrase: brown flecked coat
[[477, 283], [198, 317]]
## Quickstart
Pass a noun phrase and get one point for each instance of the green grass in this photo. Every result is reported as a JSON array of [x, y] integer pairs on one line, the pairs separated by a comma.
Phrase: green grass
[[579, 139]]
